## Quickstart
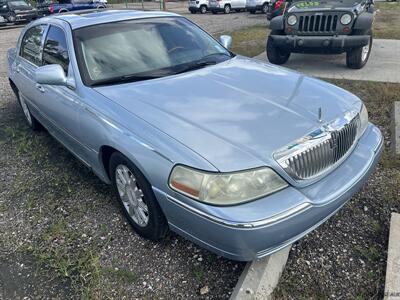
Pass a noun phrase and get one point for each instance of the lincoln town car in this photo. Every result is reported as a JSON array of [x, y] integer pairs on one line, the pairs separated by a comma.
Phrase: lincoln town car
[[237, 155]]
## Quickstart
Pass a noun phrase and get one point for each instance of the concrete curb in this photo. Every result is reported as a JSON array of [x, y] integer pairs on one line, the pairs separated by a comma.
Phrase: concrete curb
[[260, 277], [392, 282], [396, 127]]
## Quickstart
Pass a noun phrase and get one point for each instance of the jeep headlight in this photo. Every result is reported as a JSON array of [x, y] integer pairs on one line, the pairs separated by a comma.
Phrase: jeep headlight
[[292, 20], [225, 188], [345, 19], [363, 120]]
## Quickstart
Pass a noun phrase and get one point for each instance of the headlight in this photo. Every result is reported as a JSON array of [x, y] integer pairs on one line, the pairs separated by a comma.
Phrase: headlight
[[363, 120], [225, 188], [292, 20], [345, 19]]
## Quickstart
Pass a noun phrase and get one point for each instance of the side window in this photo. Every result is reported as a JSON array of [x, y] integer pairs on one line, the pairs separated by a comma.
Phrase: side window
[[55, 48], [30, 45]]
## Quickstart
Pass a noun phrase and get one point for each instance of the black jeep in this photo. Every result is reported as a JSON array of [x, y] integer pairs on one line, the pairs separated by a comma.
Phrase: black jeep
[[17, 11], [330, 27]]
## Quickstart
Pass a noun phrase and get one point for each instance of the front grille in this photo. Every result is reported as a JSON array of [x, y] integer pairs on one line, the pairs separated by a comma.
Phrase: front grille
[[318, 23], [316, 159]]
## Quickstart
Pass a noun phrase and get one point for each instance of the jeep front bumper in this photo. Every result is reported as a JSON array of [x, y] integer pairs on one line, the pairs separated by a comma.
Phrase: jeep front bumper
[[338, 43]]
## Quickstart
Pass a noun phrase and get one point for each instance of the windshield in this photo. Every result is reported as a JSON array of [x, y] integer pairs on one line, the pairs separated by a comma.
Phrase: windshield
[[143, 49], [17, 3]]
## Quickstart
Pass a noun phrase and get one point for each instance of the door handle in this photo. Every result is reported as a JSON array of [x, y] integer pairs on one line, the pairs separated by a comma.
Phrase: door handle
[[40, 88]]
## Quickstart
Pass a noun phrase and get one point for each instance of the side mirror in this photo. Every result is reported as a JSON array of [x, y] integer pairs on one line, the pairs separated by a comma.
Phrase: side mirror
[[53, 75], [226, 41]]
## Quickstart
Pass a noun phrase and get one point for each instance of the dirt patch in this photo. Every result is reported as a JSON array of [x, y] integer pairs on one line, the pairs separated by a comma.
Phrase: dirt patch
[[346, 257]]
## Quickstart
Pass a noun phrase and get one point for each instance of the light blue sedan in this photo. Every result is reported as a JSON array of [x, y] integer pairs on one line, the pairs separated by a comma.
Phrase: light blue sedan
[[239, 156]]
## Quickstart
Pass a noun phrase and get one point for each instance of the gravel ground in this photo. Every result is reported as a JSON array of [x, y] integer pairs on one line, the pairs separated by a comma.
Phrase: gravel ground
[[346, 257]]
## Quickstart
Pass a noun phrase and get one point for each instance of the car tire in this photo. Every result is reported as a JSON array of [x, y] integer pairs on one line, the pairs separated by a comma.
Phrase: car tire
[[32, 122], [137, 198], [203, 9], [356, 58], [275, 54], [227, 9], [11, 18], [264, 8]]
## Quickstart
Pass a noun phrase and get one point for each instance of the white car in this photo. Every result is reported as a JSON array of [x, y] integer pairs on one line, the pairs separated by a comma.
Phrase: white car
[[227, 6], [3, 21], [198, 5], [257, 5]]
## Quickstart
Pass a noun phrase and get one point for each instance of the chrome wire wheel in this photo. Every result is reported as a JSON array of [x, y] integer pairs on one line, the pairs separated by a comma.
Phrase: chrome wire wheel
[[131, 195], [25, 109]]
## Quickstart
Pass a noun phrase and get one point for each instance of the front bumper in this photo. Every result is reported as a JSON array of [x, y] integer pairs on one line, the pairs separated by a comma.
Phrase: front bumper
[[339, 42], [258, 228], [25, 16]]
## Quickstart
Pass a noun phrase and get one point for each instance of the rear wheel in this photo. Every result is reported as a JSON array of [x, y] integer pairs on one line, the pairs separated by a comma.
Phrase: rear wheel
[[137, 198], [227, 9], [32, 122], [203, 9], [356, 58], [275, 54]]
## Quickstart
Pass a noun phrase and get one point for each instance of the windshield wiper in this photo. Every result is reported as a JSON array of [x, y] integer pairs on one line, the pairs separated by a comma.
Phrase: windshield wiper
[[127, 78], [195, 66]]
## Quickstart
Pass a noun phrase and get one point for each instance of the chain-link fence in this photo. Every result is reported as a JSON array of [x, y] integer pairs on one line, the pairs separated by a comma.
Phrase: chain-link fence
[[148, 5]]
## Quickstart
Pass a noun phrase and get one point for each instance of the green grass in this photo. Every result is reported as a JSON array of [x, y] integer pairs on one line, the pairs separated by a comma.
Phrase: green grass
[[387, 22], [249, 41]]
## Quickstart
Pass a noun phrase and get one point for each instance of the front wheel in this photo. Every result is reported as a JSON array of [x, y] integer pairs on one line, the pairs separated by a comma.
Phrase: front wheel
[[276, 55], [265, 8], [227, 9], [203, 9], [356, 58], [137, 198], [11, 18]]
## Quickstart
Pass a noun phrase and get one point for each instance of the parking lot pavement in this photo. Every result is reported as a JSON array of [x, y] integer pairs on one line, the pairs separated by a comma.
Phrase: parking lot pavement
[[383, 64]]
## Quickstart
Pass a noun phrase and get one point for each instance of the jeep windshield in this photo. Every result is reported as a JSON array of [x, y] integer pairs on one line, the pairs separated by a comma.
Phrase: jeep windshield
[[143, 49], [18, 4]]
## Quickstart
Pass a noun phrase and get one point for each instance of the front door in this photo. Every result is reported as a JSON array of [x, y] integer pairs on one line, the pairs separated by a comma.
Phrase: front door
[[59, 104]]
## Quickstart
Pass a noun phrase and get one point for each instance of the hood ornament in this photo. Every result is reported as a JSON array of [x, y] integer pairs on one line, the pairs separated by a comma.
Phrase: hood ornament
[[320, 114]]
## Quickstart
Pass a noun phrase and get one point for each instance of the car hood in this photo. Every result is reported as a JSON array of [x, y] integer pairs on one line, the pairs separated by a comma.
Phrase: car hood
[[22, 8], [234, 114]]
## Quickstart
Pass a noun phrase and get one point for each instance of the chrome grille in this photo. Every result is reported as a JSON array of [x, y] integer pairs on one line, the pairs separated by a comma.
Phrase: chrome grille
[[315, 159], [319, 23]]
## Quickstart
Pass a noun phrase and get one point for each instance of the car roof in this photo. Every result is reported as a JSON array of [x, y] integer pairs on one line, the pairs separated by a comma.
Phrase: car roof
[[85, 18]]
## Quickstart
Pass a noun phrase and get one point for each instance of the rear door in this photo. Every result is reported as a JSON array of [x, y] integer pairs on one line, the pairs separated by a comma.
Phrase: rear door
[[27, 61]]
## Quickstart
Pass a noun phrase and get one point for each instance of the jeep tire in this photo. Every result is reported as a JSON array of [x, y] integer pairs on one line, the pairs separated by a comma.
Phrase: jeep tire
[[275, 54], [356, 58]]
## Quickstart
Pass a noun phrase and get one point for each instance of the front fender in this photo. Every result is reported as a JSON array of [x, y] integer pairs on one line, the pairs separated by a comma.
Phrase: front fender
[[277, 23], [364, 21]]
